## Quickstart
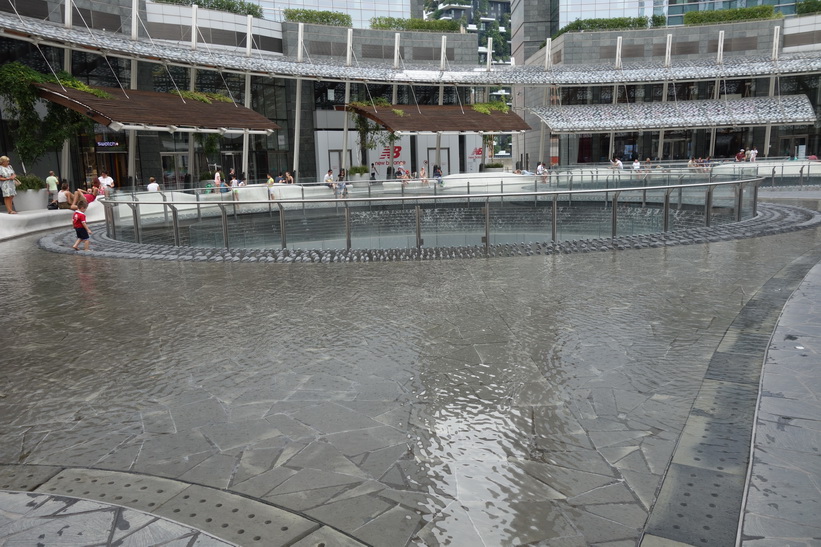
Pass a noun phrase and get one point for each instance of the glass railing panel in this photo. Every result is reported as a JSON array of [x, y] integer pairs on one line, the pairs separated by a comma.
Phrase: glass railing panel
[[724, 204]]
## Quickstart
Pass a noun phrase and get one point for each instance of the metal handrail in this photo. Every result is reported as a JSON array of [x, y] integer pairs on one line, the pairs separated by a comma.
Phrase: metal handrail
[[347, 203]]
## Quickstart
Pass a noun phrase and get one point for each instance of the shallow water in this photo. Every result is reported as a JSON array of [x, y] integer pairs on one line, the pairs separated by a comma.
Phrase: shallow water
[[495, 402]]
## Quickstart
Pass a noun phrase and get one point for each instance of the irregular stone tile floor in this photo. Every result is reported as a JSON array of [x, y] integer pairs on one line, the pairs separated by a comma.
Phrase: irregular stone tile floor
[[540, 400]]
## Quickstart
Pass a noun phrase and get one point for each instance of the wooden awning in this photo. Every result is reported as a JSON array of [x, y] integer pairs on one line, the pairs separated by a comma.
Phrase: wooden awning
[[154, 111], [448, 118]]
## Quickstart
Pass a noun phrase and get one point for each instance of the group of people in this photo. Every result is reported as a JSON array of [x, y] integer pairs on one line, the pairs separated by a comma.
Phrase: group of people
[[749, 154], [338, 185]]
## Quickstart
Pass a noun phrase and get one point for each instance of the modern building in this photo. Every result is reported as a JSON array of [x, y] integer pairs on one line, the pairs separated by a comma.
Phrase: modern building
[[676, 92], [533, 21], [593, 96]]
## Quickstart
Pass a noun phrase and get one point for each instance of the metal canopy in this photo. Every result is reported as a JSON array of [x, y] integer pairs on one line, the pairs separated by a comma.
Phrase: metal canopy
[[748, 112], [440, 119], [153, 111]]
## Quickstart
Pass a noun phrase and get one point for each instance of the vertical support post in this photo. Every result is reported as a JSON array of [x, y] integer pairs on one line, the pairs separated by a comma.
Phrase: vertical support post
[[194, 26], [192, 86], [135, 215], [419, 240], [396, 58], [224, 215], [708, 206], [110, 226], [486, 239], [282, 225], [554, 222], [666, 215], [298, 105], [249, 34], [739, 200], [175, 223], [614, 215], [755, 196], [347, 226], [135, 17], [68, 16], [246, 138], [720, 51]]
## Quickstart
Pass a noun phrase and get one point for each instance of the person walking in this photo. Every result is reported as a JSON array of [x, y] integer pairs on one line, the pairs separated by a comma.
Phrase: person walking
[[53, 186], [9, 184], [78, 220], [153, 185]]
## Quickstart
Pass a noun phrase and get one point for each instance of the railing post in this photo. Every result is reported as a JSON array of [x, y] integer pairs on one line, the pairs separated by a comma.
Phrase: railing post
[[615, 215], [801, 177], [135, 215], [419, 240], [739, 198], [199, 209], [666, 211], [755, 196], [282, 225], [554, 222], [347, 226], [535, 197], [175, 222], [772, 179], [502, 191], [164, 210], [110, 227], [224, 224], [486, 239], [708, 206]]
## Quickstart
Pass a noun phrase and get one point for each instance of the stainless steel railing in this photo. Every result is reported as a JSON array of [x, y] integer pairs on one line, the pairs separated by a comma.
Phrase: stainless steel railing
[[154, 208]]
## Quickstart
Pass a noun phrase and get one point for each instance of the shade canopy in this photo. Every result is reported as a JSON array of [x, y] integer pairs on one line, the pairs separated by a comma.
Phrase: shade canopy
[[153, 111], [447, 119], [747, 112]]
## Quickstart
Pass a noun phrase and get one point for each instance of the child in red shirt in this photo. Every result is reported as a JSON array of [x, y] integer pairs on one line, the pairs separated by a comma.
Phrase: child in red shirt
[[80, 226]]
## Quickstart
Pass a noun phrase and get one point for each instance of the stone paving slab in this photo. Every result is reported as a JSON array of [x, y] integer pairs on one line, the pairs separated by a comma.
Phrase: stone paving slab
[[454, 386]]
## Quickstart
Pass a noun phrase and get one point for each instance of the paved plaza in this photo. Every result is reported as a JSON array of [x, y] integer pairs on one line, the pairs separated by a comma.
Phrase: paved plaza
[[577, 398]]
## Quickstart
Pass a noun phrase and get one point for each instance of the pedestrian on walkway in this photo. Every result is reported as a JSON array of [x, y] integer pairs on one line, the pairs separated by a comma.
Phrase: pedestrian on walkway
[[9, 183], [78, 220], [53, 186]]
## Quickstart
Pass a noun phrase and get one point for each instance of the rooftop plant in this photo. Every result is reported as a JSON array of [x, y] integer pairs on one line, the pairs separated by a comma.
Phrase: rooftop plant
[[730, 15], [423, 25], [232, 6], [808, 6], [616, 23], [314, 17]]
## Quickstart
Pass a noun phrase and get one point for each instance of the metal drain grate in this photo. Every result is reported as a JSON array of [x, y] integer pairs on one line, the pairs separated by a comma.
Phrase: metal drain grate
[[235, 518], [698, 507], [25, 478], [227, 516], [137, 491]]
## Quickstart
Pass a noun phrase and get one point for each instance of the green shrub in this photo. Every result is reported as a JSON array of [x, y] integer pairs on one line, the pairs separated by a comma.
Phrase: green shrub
[[658, 21], [359, 170], [807, 7], [494, 165], [314, 17], [30, 182], [486, 108], [730, 15], [616, 23], [232, 6], [423, 25]]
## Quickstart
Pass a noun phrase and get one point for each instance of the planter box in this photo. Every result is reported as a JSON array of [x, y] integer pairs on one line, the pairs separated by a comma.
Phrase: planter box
[[31, 200]]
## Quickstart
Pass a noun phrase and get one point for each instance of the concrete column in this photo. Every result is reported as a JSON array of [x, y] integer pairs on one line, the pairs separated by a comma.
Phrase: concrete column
[[246, 138]]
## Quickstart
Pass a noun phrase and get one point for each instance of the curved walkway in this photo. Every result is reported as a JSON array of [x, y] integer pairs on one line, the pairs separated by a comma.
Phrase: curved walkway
[[558, 398]]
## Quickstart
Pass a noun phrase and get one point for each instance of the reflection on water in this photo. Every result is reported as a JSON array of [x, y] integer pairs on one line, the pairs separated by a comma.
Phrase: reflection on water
[[494, 402]]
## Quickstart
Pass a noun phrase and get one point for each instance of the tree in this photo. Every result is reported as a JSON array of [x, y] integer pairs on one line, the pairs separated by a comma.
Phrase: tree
[[35, 136]]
